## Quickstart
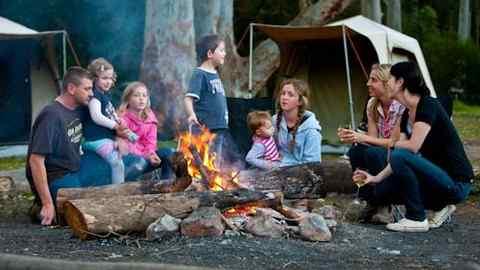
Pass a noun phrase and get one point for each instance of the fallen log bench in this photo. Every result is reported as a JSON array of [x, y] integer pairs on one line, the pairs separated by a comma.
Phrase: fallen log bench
[[124, 189], [310, 180], [119, 214]]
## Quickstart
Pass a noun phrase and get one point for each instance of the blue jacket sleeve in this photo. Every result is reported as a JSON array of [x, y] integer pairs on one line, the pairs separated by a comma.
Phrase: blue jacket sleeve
[[254, 157], [312, 151]]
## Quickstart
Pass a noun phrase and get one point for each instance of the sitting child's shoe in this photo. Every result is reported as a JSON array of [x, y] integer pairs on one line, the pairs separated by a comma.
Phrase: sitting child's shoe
[[408, 225], [441, 216]]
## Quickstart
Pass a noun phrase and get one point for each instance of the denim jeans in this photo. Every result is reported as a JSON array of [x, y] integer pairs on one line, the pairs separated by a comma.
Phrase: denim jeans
[[166, 169], [227, 150], [418, 184], [94, 171], [371, 159]]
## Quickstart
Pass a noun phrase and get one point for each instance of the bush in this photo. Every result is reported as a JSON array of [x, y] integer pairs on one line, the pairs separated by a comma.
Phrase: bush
[[451, 63]]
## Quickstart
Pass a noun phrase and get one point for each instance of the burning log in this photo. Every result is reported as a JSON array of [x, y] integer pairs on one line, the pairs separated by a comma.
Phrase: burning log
[[197, 160], [310, 180], [103, 215]]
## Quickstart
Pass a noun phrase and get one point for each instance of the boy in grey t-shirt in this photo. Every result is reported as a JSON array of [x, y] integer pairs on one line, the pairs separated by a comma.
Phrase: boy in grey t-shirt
[[205, 99]]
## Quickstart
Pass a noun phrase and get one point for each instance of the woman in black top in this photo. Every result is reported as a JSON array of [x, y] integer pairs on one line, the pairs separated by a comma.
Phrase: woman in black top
[[428, 167]]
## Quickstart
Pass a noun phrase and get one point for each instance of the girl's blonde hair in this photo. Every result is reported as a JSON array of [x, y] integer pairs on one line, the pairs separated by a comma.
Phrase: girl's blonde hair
[[303, 91], [128, 92], [99, 65], [380, 72]]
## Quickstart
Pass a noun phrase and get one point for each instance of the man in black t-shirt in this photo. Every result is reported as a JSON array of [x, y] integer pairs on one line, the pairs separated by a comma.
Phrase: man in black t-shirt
[[54, 148]]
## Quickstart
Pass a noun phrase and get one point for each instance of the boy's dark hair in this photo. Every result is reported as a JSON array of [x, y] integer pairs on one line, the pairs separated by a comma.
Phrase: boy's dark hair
[[75, 75], [206, 44], [256, 119]]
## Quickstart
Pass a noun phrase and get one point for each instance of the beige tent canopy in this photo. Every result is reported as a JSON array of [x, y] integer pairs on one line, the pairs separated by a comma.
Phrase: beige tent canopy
[[29, 76], [335, 60]]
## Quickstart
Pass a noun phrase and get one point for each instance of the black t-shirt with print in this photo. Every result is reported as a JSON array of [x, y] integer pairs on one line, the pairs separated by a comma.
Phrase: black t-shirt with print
[[56, 134], [442, 146]]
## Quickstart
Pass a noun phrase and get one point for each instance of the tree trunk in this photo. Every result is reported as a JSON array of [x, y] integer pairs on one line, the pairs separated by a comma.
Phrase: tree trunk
[[216, 17], [476, 17], [303, 5], [168, 58], [169, 51], [125, 189], [394, 14], [94, 216], [266, 56], [372, 9], [304, 181], [464, 20]]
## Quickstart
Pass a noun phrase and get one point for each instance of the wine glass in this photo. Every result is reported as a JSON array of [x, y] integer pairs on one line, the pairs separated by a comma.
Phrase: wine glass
[[359, 180], [345, 149]]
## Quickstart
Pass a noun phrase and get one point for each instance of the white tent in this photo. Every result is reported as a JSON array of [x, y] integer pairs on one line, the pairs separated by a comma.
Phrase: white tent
[[386, 40], [335, 60], [31, 66]]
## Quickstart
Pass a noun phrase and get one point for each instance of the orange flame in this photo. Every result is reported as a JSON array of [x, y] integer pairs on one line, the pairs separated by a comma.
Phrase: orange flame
[[217, 180]]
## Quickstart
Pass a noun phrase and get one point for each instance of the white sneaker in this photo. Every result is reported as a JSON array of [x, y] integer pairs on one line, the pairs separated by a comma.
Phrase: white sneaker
[[408, 225], [441, 216]]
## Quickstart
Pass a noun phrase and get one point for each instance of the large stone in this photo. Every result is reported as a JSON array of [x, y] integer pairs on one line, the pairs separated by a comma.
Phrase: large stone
[[327, 212], [6, 184], [205, 221], [164, 227], [264, 225], [314, 228]]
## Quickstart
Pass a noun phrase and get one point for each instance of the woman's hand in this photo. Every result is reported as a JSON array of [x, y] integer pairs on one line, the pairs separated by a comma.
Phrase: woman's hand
[[363, 176], [350, 136], [154, 159]]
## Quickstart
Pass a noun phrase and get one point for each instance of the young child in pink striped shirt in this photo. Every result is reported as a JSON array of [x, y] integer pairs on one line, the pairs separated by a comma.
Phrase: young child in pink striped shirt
[[264, 153]]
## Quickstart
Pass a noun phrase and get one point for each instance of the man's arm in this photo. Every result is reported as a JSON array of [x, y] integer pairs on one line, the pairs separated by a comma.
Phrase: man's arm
[[39, 175]]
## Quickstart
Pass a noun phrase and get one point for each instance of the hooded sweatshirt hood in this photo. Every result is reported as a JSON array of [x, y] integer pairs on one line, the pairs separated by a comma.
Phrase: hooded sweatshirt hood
[[308, 140]]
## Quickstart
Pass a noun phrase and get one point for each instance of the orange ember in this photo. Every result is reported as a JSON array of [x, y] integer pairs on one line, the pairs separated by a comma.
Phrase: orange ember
[[201, 164], [191, 145]]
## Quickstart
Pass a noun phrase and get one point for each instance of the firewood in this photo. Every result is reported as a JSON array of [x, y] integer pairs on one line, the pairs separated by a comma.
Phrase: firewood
[[311, 180], [178, 183], [125, 189], [103, 215]]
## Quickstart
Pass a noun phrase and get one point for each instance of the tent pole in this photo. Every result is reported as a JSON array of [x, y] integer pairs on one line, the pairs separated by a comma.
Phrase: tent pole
[[64, 44], [250, 61], [349, 84]]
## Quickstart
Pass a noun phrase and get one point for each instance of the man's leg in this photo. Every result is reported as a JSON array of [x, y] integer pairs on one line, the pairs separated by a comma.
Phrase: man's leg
[[71, 180]]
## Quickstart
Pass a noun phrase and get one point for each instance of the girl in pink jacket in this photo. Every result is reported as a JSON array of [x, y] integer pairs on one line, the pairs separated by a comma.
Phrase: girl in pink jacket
[[137, 115]]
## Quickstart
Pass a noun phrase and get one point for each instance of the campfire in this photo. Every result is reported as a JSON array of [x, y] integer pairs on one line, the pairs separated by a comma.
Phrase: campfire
[[202, 167], [204, 199]]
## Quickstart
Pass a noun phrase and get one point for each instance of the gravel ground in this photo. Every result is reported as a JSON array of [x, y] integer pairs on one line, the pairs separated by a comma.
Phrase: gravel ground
[[354, 246]]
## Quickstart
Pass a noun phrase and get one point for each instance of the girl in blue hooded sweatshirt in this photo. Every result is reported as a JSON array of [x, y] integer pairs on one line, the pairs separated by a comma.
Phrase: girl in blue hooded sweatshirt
[[297, 130]]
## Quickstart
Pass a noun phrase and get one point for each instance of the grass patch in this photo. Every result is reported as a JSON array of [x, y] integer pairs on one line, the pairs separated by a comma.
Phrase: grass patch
[[467, 120], [167, 144], [12, 163]]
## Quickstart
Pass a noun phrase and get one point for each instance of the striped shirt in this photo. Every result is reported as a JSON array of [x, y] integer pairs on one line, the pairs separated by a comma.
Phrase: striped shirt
[[271, 151]]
